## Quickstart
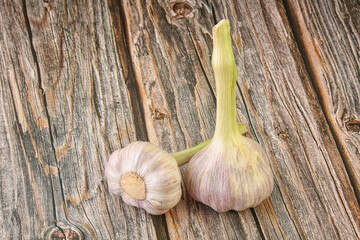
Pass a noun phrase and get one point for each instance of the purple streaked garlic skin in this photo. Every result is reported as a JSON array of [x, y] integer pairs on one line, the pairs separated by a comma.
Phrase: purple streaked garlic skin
[[230, 177]]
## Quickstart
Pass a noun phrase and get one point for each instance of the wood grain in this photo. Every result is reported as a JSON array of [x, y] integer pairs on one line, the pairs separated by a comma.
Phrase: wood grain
[[330, 46], [66, 108], [80, 79], [275, 95]]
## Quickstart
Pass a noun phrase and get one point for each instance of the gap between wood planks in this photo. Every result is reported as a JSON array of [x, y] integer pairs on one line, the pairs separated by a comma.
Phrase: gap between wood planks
[[314, 67], [311, 59], [122, 44]]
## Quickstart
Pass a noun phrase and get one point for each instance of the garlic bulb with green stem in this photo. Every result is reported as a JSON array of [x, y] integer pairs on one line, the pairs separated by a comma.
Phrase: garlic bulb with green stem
[[148, 177], [232, 172]]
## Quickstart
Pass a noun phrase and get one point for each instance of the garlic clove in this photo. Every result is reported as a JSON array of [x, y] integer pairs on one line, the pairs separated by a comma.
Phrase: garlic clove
[[145, 176]]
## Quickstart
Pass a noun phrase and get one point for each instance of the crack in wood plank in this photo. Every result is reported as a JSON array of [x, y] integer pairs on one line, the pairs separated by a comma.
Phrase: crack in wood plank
[[46, 111], [322, 79]]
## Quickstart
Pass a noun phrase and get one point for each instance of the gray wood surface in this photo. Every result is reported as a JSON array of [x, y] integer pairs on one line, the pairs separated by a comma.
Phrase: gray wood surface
[[80, 79]]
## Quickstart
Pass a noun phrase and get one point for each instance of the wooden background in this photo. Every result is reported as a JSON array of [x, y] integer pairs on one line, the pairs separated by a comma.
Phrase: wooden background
[[80, 79]]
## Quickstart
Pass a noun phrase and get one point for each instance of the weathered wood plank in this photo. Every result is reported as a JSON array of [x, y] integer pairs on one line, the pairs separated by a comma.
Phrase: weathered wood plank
[[28, 171], [66, 107], [313, 196], [97, 114], [80, 79], [330, 45]]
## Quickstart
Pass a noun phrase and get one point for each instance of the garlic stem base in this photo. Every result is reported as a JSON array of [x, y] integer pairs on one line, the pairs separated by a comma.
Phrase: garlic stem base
[[184, 156], [134, 186]]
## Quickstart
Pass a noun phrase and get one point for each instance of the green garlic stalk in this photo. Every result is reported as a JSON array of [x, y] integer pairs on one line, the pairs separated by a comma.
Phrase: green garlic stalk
[[232, 172]]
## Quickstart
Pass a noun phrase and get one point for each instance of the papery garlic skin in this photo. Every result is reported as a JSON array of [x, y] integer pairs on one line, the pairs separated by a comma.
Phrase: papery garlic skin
[[155, 167], [230, 177]]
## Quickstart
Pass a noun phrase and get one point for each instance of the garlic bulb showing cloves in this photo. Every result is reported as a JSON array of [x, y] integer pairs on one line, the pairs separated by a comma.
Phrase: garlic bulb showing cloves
[[145, 176], [232, 172]]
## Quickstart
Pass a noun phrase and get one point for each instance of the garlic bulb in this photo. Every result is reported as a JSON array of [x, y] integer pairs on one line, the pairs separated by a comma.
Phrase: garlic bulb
[[233, 171], [148, 177], [145, 176]]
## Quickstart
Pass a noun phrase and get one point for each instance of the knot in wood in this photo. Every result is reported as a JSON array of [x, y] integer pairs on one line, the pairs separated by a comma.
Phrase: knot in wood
[[182, 9], [64, 233], [353, 126], [283, 135], [158, 115]]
